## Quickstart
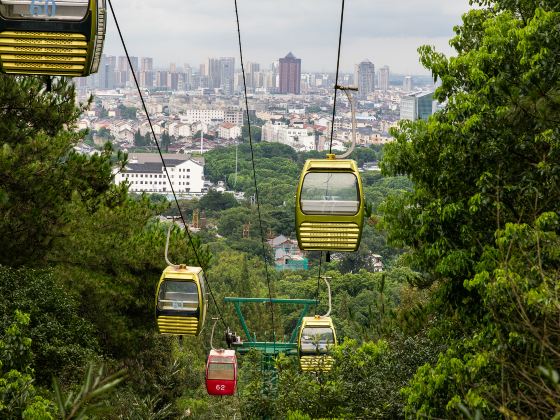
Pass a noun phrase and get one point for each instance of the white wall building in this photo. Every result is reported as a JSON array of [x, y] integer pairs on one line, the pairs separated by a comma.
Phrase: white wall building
[[205, 115], [408, 108], [208, 116], [145, 173], [384, 78], [229, 131], [417, 105], [300, 139]]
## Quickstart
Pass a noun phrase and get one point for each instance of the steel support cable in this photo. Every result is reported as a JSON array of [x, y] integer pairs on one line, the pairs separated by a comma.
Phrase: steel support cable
[[337, 68], [255, 173], [163, 163], [318, 282]]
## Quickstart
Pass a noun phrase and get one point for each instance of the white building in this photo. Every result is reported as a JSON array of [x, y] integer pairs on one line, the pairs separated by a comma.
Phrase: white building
[[229, 131], [417, 105], [178, 129], [384, 78], [407, 83], [145, 173], [207, 116], [300, 139]]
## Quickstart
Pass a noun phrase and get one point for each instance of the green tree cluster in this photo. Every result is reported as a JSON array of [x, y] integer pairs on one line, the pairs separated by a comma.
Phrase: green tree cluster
[[127, 112], [481, 222], [79, 254]]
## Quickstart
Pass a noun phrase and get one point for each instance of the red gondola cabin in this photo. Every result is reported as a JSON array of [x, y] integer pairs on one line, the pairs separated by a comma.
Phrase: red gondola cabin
[[221, 372]]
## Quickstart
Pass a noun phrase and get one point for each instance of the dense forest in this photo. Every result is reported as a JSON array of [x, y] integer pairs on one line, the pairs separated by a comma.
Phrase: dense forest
[[462, 323]]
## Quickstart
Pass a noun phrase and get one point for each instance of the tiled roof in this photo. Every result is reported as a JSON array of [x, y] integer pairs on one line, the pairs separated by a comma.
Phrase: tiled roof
[[152, 167]]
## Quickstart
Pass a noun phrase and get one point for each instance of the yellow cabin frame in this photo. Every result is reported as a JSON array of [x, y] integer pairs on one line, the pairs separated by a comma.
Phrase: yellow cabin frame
[[330, 232], [179, 322], [320, 362], [53, 47]]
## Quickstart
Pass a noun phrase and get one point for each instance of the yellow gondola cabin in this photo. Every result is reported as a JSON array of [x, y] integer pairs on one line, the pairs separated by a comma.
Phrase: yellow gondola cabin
[[181, 301], [329, 205], [316, 338], [51, 37]]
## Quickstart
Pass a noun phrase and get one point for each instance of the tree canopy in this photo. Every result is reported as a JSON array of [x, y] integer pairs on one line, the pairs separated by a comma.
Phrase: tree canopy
[[484, 167]]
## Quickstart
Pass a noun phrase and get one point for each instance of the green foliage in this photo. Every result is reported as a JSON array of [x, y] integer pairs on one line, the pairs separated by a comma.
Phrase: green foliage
[[39, 169], [482, 219], [474, 163], [15, 348], [256, 133], [18, 396], [216, 201], [165, 141], [105, 133], [60, 338], [373, 373], [88, 400], [127, 112]]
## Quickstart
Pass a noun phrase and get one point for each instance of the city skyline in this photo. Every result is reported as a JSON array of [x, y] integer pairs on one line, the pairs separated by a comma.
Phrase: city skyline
[[387, 33]]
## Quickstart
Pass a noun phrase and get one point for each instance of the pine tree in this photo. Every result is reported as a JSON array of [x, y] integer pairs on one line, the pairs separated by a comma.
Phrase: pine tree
[[39, 169]]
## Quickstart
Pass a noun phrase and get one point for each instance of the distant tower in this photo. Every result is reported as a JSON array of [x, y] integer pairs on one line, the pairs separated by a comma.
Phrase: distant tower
[[147, 72], [384, 78], [213, 71], [290, 74], [135, 67], [221, 74], [227, 69], [407, 83], [122, 71], [146, 64], [364, 78]]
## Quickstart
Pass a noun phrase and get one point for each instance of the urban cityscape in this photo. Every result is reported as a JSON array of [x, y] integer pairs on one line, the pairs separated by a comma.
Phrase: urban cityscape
[[196, 109]]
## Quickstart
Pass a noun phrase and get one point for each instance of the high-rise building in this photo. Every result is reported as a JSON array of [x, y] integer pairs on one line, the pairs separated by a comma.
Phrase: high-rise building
[[290, 74], [187, 78], [213, 71], [227, 79], [135, 68], [122, 71], [107, 72], [364, 78], [417, 105], [407, 83], [146, 64], [161, 79], [384, 78], [220, 73], [251, 70], [146, 77]]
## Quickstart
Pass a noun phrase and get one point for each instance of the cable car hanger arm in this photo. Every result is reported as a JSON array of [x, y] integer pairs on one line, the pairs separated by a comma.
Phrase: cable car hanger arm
[[347, 90]]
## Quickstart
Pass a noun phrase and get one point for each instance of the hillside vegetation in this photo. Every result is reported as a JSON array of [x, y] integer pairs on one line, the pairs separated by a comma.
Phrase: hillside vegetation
[[462, 323]]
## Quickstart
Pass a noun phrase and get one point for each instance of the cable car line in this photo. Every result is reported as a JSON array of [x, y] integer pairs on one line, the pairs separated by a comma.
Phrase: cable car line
[[163, 162], [337, 68], [255, 173]]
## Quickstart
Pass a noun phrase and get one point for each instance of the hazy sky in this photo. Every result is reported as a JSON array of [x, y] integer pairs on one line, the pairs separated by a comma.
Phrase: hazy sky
[[387, 32]]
